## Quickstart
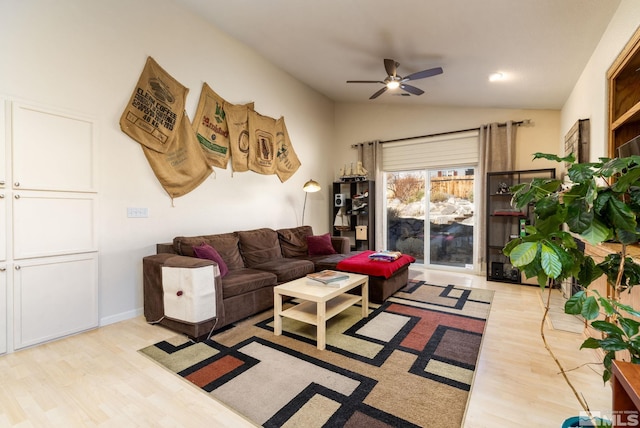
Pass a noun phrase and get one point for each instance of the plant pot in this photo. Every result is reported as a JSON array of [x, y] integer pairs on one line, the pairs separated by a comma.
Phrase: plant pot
[[584, 421]]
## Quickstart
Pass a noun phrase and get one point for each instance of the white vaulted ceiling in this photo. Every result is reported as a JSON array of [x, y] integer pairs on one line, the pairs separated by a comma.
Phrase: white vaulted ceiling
[[540, 46]]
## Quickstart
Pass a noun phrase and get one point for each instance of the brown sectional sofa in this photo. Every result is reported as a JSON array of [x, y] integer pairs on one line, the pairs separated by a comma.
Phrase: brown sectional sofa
[[257, 260]]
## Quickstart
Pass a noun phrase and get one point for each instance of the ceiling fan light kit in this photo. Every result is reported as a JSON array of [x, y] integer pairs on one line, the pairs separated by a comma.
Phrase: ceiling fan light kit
[[393, 81], [393, 84]]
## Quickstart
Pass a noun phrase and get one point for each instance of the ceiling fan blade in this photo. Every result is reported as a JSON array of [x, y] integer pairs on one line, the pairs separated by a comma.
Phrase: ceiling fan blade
[[391, 67], [365, 81], [377, 94], [412, 89], [422, 74]]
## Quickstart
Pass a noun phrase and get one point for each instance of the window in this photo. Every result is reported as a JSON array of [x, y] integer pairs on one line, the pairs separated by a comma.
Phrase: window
[[429, 202]]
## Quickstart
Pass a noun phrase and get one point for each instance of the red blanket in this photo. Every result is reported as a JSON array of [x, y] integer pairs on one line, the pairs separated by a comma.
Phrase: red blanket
[[361, 263]]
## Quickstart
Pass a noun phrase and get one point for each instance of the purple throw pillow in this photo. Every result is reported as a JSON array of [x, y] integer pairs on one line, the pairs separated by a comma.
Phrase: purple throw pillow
[[206, 251], [320, 245]]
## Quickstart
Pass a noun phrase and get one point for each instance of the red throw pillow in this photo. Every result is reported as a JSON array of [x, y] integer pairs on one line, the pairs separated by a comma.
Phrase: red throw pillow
[[206, 251], [320, 245]]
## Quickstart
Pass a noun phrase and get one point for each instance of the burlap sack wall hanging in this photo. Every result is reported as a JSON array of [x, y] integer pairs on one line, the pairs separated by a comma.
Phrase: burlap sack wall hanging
[[155, 118], [152, 116], [183, 167], [238, 124], [287, 163], [211, 127], [262, 143], [182, 157]]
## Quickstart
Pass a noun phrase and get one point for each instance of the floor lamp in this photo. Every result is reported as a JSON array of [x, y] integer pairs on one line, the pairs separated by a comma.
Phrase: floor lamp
[[310, 186]]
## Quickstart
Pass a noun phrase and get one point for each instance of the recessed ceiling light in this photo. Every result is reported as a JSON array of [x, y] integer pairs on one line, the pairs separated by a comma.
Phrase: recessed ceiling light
[[495, 77]]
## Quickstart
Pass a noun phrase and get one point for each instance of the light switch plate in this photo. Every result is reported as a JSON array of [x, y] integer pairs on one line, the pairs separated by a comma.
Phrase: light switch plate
[[137, 212]]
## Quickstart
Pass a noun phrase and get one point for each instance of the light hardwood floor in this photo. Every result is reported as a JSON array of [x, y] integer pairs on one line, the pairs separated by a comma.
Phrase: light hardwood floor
[[98, 378]]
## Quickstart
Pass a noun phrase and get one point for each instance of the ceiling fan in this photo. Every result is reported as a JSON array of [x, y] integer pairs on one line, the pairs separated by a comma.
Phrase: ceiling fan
[[393, 80]]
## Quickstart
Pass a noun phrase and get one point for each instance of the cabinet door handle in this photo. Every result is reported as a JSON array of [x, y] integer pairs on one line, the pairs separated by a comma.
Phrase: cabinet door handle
[[17, 267], [17, 184], [1, 195], [17, 196], [2, 269]]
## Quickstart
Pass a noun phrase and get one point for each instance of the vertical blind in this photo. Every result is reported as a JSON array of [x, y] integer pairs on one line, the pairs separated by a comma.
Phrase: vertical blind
[[448, 150]]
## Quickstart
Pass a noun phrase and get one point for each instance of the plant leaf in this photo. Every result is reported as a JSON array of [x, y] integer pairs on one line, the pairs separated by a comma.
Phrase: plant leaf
[[524, 254], [573, 305], [606, 305], [613, 344], [549, 225], [621, 215], [626, 236], [590, 343], [596, 233], [589, 272], [628, 309], [580, 172], [550, 261], [623, 183], [579, 217], [634, 194], [590, 308], [631, 272], [510, 246], [630, 326], [608, 358], [634, 342], [612, 330], [614, 166], [571, 158], [547, 206]]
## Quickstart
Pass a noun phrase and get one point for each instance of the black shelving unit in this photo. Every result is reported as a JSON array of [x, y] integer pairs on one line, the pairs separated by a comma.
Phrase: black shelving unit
[[504, 222], [354, 207]]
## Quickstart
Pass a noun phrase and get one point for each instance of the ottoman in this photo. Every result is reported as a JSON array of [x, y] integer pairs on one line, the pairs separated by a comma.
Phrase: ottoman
[[385, 278]]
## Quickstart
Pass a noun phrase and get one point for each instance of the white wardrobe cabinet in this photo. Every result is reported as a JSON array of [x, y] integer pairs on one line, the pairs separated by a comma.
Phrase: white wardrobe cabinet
[[48, 216], [3, 271], [3, 227], [54, 297]]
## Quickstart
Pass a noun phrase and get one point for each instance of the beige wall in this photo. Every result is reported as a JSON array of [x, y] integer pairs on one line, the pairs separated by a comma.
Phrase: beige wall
[[362, 122], [589, 98], [86, 56]]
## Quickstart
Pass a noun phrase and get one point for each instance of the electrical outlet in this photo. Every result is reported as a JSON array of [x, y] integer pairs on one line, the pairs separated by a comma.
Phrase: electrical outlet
[[137, 212]]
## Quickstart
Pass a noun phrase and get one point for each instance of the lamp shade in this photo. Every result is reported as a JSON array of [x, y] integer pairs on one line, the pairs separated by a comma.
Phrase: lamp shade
[[311, 186]]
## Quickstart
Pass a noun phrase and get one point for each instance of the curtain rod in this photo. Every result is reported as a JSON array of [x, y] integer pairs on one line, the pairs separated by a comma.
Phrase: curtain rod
[[521, 122]]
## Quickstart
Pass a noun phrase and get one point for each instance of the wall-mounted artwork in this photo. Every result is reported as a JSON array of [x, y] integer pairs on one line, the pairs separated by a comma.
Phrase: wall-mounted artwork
[[181, 154], [577, 141]]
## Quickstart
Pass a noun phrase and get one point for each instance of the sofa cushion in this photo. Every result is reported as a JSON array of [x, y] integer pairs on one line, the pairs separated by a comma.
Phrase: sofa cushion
[[246, 280], [320, 245], [293, 241], [259, 246], [183, 245], [287, 269], [206, 251], [226, 244]]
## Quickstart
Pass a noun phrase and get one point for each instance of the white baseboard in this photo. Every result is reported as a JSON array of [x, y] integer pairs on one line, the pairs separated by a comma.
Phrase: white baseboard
[[112, 319]]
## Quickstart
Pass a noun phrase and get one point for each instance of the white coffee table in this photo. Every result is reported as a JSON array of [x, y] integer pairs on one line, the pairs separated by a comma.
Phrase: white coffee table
[[321, 302]]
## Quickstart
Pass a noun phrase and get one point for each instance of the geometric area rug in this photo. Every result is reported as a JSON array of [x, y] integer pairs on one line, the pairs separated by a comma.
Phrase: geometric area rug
[[410, 363]]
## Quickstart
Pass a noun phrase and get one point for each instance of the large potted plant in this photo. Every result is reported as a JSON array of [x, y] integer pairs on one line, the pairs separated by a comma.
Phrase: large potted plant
[[601, 203]]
